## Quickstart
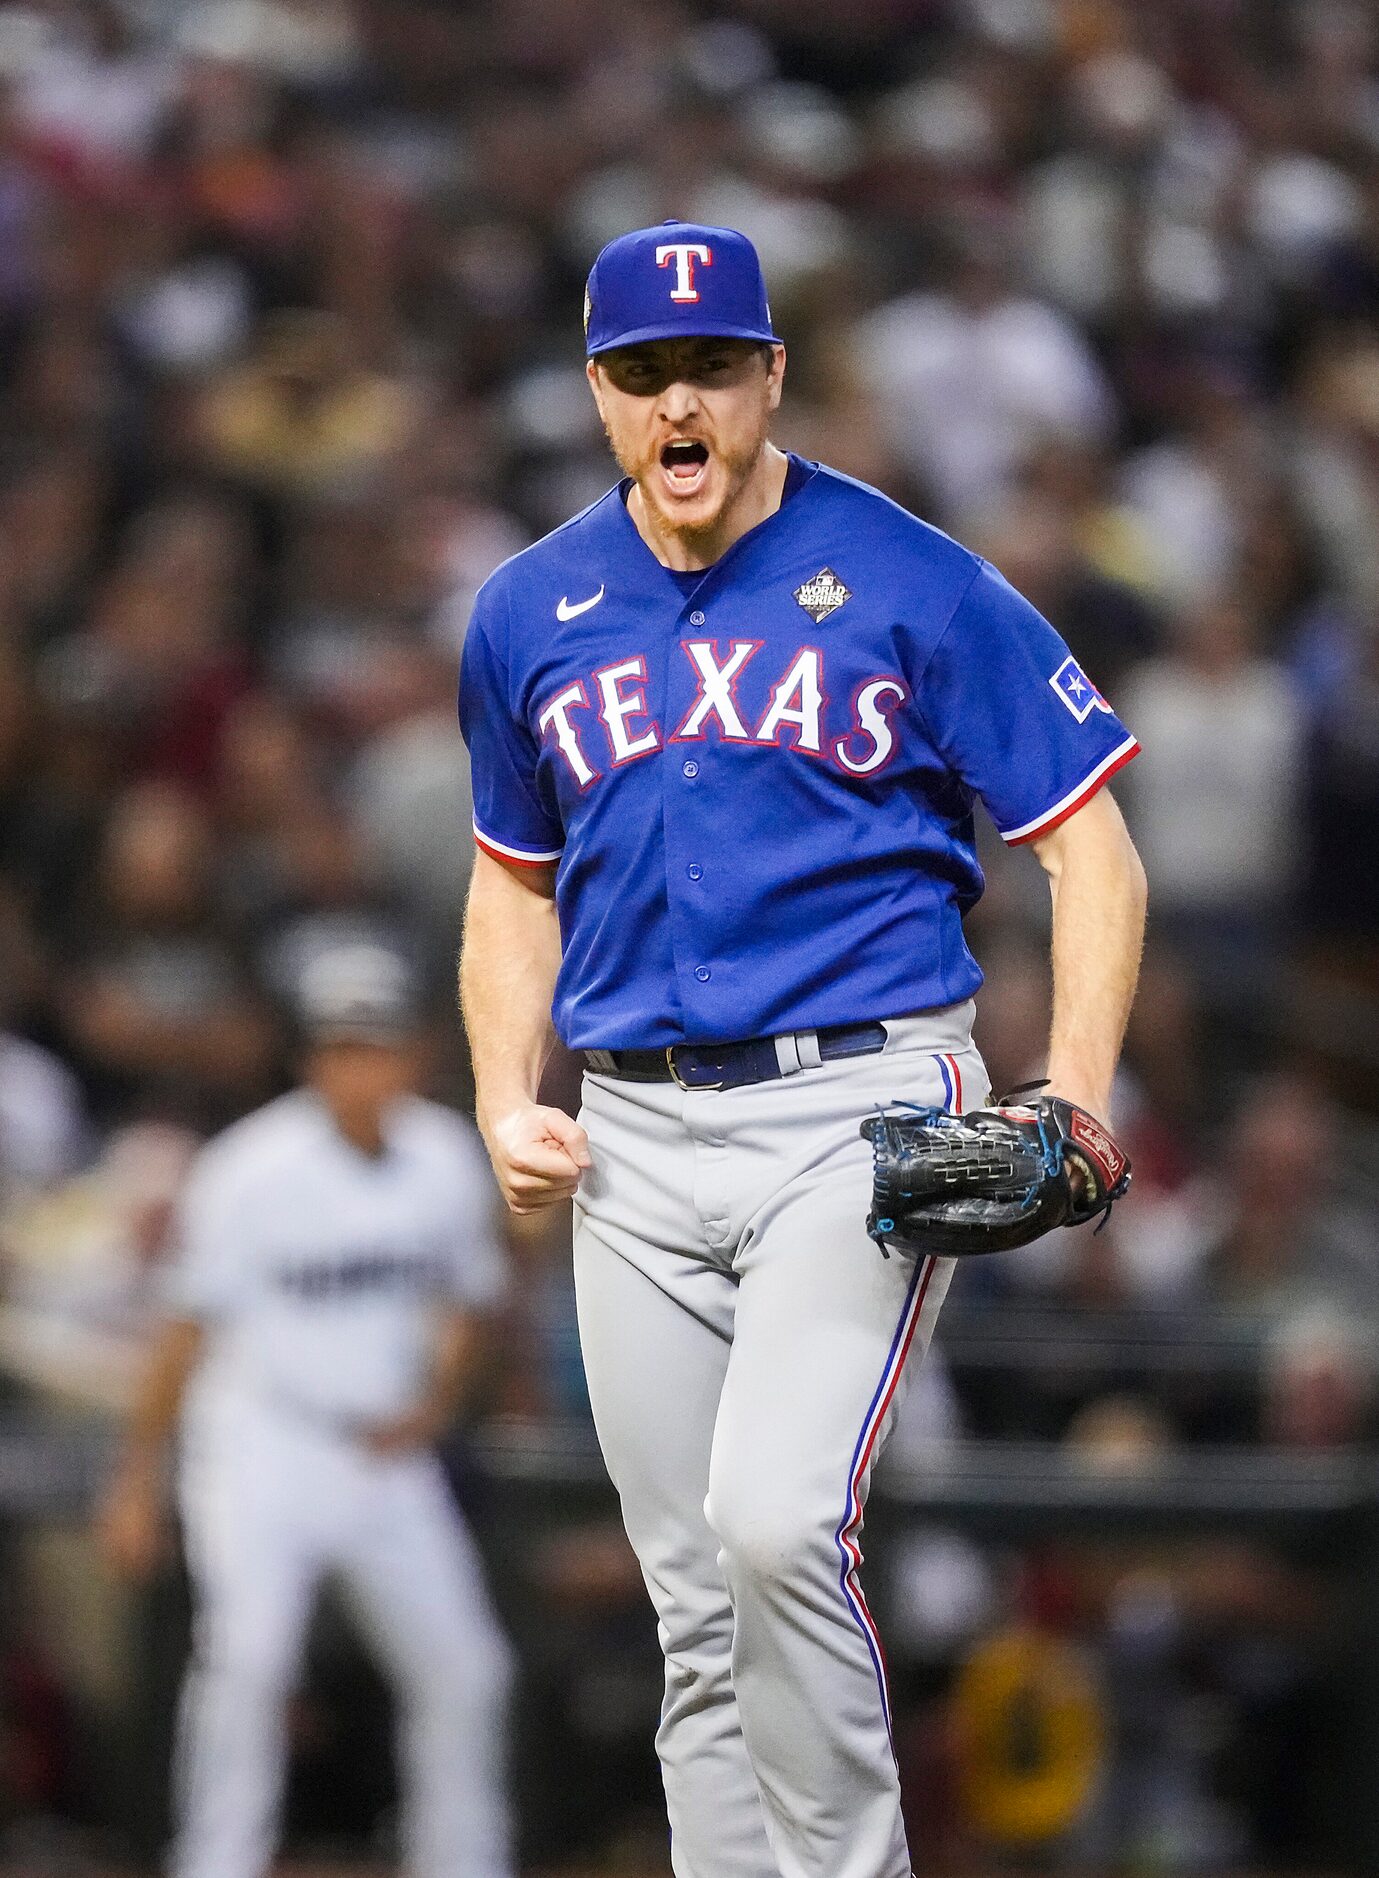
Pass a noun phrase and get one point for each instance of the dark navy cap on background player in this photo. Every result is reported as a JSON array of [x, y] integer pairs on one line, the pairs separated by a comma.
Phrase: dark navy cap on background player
[[361, 992], [677, 280]]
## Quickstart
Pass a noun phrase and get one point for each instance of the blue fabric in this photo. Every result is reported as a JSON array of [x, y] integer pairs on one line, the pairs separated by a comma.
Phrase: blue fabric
[[678, 280], [791, 844]]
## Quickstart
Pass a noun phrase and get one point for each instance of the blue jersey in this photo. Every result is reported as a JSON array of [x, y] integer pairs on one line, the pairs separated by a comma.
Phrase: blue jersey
[[759, 781]]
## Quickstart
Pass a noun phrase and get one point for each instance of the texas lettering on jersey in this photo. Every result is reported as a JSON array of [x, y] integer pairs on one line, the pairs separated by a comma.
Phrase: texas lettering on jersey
[[792, 713]]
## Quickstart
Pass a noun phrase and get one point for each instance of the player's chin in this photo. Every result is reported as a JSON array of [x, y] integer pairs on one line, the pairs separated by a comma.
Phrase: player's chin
[[689, 500]]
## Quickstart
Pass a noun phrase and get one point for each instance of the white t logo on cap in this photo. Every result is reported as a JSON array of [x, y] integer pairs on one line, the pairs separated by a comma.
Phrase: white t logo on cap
[[685, 254]]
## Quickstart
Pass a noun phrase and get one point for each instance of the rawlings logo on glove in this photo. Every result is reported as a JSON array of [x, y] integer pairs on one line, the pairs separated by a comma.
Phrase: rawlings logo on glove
[[988, 1180], [1088, 1134]]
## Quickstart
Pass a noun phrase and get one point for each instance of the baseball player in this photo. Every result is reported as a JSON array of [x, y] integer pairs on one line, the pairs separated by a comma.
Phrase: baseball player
[[336, 1262], [728, 728]]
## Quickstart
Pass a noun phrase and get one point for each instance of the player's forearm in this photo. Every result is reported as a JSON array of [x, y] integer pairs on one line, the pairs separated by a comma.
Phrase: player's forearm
[[509, 962], [1098, 889], [456, 1366], [158, 1399]]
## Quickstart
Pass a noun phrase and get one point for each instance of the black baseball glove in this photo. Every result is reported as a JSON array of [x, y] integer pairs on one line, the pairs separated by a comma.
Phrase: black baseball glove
[[990, 1179]]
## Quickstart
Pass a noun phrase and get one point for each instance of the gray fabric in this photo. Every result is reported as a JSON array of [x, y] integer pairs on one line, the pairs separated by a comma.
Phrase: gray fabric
[[744, 1344]]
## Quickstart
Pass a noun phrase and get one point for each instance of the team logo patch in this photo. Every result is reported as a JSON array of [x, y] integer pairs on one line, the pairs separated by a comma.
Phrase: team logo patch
[[1077, 690], [822, 595]]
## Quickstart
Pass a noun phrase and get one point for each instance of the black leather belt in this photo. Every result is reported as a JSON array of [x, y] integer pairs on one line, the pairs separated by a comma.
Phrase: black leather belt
[[731, 1065]]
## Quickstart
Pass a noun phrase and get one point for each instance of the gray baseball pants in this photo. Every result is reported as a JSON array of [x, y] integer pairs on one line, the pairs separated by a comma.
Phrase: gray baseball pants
[[746, 1346]]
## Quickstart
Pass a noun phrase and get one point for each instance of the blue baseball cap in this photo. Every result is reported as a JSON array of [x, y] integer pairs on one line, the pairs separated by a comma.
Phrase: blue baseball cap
[[678, 280]]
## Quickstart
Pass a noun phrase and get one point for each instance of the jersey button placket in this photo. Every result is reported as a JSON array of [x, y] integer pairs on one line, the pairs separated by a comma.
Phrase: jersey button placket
[[709, 1154], [694, 871], [689, 822]]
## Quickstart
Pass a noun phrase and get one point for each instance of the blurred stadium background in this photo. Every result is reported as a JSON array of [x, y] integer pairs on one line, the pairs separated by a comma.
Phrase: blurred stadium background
[[289, 360]]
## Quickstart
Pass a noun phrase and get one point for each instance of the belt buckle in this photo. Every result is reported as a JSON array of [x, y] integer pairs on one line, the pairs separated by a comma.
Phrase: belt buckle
[[678, 1079]]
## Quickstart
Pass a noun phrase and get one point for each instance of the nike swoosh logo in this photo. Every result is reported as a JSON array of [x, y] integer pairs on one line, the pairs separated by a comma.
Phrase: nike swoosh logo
[[569, 610]]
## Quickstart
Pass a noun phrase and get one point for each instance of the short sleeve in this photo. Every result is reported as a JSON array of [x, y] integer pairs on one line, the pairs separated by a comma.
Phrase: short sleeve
[[207, 1273], [1015, 716], [476, 1273], [510, 820]]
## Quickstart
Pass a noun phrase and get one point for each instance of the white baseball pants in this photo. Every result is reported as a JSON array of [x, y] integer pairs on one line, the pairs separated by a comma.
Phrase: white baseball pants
[[746, 1346], [267, 1514]]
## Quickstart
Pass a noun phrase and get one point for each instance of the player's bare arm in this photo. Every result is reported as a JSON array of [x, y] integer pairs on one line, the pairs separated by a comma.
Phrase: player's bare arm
[[1098, 887], [132, 1516], [509, 962]]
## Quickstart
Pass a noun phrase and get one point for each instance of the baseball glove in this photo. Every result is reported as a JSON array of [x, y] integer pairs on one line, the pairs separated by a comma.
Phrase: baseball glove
[[990, 1179]]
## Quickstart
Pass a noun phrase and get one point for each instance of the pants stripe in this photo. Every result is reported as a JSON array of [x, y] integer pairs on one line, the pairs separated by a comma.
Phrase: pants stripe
[[956, 1101], [952, 1082], [850, 1525]]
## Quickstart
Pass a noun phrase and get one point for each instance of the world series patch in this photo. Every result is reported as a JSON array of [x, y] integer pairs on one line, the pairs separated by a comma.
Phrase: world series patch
[[822, 595]]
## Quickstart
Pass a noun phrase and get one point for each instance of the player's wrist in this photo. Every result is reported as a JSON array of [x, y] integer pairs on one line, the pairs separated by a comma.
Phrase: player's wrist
[[1086, 1091], [495, 1113]]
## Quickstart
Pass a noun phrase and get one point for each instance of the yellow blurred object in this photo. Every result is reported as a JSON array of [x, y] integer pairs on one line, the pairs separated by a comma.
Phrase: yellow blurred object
[[1118, 546], [304, 416], [1030, 1736]]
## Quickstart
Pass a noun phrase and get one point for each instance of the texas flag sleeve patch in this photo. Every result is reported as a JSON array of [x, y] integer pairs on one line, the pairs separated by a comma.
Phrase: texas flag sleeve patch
[[1074, 689]]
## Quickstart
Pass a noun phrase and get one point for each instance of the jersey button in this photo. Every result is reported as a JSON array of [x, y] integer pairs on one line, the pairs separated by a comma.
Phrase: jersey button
[[696, 618], [690, 768], [702, 973], [695, 871]]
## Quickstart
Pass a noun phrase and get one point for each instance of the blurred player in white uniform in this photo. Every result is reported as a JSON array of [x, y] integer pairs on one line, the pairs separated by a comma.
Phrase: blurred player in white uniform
[[336, 1259]]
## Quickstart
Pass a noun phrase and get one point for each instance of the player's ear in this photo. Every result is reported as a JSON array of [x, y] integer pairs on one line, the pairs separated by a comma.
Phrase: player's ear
[[775, 376], [591, 372]]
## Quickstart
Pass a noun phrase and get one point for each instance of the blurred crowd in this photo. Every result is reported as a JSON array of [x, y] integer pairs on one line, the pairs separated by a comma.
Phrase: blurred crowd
[[290, 359]]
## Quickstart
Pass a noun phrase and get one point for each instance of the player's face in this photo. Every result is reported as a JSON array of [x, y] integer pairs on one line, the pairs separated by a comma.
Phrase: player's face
[[687, 419], [361, 1080]]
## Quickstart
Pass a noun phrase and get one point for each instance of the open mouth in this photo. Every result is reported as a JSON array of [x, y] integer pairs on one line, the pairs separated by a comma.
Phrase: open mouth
[[684, 463]]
